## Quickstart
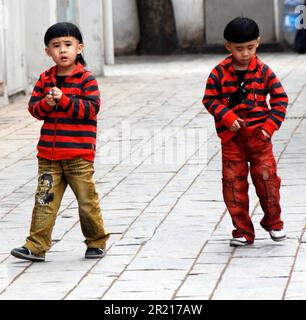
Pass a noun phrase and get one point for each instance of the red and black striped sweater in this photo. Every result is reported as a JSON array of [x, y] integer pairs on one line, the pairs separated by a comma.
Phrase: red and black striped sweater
[[69, 128], [254, 110]]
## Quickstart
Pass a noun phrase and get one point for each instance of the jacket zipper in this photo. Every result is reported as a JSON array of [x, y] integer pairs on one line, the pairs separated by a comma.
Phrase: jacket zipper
[[243, 124], [54, 137], [55, 125]]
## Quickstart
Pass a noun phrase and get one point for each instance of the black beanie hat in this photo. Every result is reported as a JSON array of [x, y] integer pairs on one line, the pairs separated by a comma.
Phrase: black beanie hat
[[241, 29]]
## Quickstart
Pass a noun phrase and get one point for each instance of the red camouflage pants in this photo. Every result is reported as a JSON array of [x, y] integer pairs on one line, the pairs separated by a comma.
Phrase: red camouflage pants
[[250, 146]]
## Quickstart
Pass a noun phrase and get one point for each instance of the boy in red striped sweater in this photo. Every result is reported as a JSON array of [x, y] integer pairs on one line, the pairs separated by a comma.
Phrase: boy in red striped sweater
[[235, 95], [67, 99]]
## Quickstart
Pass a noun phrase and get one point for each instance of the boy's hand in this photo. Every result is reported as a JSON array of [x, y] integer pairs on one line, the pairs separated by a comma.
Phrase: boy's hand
[[54, 96], [236, 125], [266, 134], [57, 93], [50, 100]]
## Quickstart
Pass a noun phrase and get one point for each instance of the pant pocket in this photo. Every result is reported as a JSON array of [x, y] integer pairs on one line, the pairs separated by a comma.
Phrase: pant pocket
[[262, 137], [228, 190], [272, 187]]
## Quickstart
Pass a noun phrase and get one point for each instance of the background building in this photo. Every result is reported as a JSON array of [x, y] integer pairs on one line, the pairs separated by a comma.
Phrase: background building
[[200, 23], [112, 27]]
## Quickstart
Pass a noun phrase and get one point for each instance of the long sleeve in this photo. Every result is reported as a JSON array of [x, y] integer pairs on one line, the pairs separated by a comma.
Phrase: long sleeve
[[38, 106], [278, 103], [212, 103], [86, 106]]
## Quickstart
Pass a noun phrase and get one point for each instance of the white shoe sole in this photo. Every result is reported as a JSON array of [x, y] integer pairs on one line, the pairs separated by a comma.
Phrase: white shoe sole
[[235, 243], [278, 239], [32, 258]]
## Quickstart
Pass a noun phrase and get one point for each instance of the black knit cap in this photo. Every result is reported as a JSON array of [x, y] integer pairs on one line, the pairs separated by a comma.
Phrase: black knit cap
[[241, 29], [65, 29]]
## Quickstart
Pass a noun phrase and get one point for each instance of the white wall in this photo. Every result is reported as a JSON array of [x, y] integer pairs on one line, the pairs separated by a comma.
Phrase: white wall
[[2, 27], [126, 26], [195, 24], [39, 15], [3, 97], [259, 10], [90, 22], [189, 16]]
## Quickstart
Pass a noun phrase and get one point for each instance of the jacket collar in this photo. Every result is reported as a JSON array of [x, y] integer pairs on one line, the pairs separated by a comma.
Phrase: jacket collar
[[228, 64], [53, 71]]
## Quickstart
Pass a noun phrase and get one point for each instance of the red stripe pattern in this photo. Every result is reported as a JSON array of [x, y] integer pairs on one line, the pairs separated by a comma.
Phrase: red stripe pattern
[[69, 129], [254, 110]]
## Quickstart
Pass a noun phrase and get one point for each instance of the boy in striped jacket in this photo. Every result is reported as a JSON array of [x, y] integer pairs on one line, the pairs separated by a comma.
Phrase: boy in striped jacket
[[67, 99], [235, 95]]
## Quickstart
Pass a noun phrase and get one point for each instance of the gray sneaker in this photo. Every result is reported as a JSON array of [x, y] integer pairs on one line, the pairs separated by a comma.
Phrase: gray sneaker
[[26, 254], [94, 253]]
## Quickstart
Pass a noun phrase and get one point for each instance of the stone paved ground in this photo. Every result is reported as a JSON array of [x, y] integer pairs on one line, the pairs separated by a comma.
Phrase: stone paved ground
[[158, 176]]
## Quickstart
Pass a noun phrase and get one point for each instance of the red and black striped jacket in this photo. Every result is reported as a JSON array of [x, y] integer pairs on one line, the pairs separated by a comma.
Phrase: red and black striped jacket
[[69, 128], [254, 110]]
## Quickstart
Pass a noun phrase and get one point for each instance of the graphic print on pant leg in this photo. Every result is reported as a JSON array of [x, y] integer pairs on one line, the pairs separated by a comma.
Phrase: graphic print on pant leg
[[45, 183]]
